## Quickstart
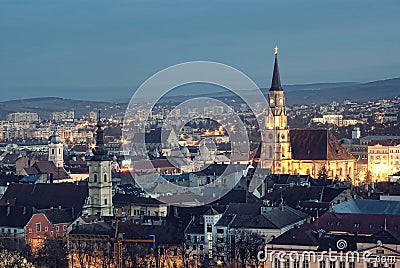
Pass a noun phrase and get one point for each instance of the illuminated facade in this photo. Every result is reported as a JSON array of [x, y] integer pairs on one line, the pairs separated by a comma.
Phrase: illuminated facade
[[300, 151], [384, 158]]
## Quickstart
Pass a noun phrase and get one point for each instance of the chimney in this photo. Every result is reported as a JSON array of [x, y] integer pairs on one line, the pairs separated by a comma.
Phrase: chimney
[[24, 211]]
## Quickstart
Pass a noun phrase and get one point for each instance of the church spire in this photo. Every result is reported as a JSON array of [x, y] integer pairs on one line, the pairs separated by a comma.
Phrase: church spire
[[100, 151], [276, 80]]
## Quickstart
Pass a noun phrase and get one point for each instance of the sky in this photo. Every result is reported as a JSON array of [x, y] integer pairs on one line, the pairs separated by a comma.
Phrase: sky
[[103, 50]]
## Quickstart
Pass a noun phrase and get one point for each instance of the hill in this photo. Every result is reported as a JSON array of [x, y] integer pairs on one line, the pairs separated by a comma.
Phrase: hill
[[46, 105]]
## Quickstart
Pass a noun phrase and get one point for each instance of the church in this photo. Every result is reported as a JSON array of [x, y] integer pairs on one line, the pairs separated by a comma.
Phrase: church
[[299, 151]]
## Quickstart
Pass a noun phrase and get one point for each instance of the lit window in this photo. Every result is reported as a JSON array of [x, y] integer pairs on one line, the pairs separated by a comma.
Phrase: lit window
[[38, 227]]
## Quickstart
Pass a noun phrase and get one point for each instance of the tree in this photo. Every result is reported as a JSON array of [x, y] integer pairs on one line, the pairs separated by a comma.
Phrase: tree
[[53, 254], [243, 247], [13, 259], [368, 177]]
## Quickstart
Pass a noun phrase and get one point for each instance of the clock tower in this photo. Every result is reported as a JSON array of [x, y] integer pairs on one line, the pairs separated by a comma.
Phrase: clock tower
[[275, 136], [99, 201]]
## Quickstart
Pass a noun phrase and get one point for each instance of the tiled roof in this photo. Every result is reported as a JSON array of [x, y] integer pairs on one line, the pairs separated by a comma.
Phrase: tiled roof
[[357, 223], [56, 215], [296, 236], [132, 199], [47, 167], [17, 218], [46, 195], [368, 206], [316, 144]]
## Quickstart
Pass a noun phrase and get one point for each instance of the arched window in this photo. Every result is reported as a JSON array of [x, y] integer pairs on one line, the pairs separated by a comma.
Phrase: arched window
[[59, 151], [95, 178], [105, 201], [105, 177], [52, 151]]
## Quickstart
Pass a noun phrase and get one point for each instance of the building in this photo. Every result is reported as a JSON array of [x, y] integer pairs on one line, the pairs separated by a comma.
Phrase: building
[[23, 117], [301, 247], [300, 151], [99, 201], [62, 116], [56, 150], [383, 158], [47, 224]]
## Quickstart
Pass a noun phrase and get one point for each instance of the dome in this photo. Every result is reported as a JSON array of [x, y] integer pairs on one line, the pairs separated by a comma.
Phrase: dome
[[55, 138]]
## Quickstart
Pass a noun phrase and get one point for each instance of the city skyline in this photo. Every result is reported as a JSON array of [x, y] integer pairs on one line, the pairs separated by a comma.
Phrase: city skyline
[[99, 50]]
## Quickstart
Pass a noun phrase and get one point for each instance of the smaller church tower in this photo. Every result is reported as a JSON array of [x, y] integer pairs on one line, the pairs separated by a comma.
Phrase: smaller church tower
[[99, 201], [276, 140], [56, 150]]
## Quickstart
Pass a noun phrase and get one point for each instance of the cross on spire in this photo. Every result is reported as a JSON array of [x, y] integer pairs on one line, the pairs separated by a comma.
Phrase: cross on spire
[[276, 80]]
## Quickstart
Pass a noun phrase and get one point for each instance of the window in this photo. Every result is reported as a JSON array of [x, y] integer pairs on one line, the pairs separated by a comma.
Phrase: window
[[379, 251], [46, 229], [201, 247], [189, 237], [38, 227], [57, 228], [105, 177], [30, 230], [220, 231], [105, 201], [286, 264], [306, 264], [342, 264], [65, 227], [332, 264], [209, 228], [95, 178], [296, 264], [352, 264], [52, 151], [277, 264]]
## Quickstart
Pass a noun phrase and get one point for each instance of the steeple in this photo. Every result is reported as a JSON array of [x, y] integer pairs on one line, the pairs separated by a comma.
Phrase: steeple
[[100, 151], [276, 80]]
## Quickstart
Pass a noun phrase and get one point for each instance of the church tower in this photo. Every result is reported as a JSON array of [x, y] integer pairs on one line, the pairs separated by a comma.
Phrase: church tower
[[99, 201], [56, 150], [275, 136]]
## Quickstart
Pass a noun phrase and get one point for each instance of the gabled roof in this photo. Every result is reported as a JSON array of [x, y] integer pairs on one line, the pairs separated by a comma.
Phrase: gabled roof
[[316, 144], [56, 215], [10, 159], [296, 236], [47, 167], [46, 195]]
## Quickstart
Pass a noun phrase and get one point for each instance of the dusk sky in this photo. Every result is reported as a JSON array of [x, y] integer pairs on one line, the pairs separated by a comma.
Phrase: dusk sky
[[103, 50]]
